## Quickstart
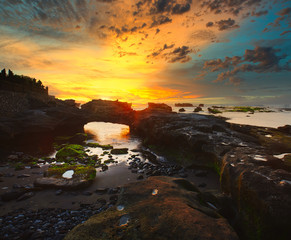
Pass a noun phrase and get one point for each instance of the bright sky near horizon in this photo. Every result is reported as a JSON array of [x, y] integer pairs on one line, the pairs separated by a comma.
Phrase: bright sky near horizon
[[219, 51]]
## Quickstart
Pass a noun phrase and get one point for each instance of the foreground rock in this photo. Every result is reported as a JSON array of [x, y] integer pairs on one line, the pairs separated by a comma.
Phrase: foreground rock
[[261, 190], [244, 157], [158, 208]]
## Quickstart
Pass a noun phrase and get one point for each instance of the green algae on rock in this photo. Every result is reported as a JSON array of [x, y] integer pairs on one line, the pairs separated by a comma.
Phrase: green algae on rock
[[95, 145], [119, 151], [70, 151], [82, 177]]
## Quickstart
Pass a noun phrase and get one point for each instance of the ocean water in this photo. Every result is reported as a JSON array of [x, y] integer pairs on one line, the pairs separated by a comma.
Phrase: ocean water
[[263, 119]]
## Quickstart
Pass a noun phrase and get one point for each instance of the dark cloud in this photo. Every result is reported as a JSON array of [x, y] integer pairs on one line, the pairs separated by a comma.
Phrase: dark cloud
[[180, 54], [157, 30], [162, 6], [209, 24], [232, 6], [14, 2], [260, 13], [217, 64], [123, 53], [180, 9], [285, 11], [159, 20], [226, 24], [260, 60], [168, 46], [284, 15], [285, 32]]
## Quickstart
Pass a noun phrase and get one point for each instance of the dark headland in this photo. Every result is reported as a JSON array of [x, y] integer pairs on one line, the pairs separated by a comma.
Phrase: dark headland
[[255, 186]]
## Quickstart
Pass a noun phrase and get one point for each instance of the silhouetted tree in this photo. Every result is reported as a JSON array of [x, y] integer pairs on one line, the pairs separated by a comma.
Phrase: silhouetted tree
[[10, 74], [21, 83], [3, 73]]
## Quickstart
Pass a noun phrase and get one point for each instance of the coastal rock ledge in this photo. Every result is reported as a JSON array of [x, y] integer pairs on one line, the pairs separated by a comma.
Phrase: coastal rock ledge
[[158, 208]]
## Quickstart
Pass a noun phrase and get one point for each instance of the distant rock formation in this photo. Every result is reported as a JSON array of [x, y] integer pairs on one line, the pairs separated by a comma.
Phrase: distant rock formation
[[183, 105], [159, 107], [109, 111], [20, 83]]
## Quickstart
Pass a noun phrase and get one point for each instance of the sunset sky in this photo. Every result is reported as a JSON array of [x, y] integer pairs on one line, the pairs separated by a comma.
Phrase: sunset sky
[[198, 51]]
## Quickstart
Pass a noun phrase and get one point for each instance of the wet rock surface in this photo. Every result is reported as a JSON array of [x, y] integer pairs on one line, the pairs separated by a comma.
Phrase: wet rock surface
[[243, 156], [258, 181], [157, 208], [261, 192]]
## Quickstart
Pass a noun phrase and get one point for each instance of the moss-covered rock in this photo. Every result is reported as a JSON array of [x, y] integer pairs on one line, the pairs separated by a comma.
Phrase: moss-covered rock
[[214, 110], [119, 151], [82, 177], [69, 152], [95, 145]]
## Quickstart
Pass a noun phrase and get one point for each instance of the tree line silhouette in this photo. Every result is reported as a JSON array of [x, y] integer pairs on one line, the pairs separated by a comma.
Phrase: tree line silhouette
[[20, 83]]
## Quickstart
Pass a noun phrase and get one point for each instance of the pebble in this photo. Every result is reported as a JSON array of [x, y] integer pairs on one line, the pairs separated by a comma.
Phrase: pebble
[[59, 192], [101, 191], [201, 173], [140, 177], [23, 176], [44, 223]]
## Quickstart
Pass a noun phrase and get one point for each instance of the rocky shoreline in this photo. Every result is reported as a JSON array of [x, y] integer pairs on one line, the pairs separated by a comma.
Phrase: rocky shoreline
[[254, 180]]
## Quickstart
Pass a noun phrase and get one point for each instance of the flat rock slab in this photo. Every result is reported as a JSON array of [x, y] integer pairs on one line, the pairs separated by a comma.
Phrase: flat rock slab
[[159, 208], [61, 183]]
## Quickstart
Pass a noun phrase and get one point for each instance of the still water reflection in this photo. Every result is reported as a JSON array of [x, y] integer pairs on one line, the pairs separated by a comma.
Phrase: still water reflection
[[117, 135]]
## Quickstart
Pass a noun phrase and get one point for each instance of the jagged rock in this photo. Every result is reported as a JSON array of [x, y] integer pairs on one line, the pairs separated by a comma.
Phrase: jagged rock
[[198, 109], [183, 105], [160, 107], [174, 210]]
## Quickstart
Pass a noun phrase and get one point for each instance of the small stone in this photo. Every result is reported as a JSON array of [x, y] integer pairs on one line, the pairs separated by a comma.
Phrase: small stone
[[113, 190], [25, 196], [101, 191], [17, 186], [23, 176], [202, 185], [87, 193], [101, 201], [124, 220], [201, 173], [59, 192], [113, 199], [183, 175], [12, 157], [104, 168], [140, 177]]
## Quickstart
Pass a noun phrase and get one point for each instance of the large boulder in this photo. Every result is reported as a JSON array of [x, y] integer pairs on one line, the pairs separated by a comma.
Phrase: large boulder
[[160, 208], [260, 187]]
